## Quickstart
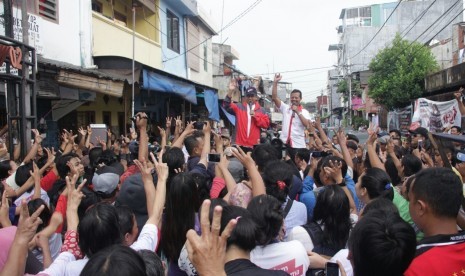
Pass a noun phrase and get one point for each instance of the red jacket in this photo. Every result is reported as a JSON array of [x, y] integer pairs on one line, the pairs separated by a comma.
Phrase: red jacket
[[259, 120]]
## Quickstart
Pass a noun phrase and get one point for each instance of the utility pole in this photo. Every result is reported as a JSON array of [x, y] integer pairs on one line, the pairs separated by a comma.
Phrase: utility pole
[[350, 92], [25, 100]]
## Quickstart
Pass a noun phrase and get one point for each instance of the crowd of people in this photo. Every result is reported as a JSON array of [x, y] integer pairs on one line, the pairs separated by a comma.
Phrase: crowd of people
[[201, 202]]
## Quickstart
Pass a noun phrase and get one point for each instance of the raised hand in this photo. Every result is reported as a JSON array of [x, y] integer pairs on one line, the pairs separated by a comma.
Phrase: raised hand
[[27, 225], [161, 168], [82, 131], [208, 251], [244, 158], [75, 195], [334, 171], [37, 137], [232, 84], [168, 122], [277, 78]]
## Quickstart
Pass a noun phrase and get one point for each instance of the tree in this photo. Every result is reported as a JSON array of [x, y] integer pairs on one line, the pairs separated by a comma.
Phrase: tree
[[399, 72], [343, 88]]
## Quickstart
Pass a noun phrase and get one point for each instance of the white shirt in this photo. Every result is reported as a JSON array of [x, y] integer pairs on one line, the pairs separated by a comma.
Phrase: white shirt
[[28, 197], [297, 127], [290, 257], [65, 263]]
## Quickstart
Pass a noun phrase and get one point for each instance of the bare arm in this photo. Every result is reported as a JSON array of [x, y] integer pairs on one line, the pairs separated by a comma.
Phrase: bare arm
[[258, 186], [187, 131], [323, 135], [222, 167], [390, 151], [345, 151], [160, 195], [206, 147], [141, 123], [458, 97], [274, 91], [371, 151]]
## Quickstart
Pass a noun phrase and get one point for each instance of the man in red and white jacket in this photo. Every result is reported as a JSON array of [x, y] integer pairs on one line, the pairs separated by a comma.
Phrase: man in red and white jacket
[[250, 116]]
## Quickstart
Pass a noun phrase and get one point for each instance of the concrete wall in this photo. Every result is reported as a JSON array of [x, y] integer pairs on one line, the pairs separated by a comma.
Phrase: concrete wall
[[355, 38], [204, 76], [177, 63], [442, 51]]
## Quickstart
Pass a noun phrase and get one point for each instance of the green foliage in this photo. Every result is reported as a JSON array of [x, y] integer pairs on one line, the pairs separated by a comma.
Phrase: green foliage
[[358, 121], [343, 87], [399, 72]]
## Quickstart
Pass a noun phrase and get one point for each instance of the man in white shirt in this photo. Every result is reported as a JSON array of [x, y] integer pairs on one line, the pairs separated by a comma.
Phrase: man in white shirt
[[295, 118]]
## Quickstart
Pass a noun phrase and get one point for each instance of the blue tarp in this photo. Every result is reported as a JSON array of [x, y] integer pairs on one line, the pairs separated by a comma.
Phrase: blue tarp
[[230, 116], [161, 83], [211, 101]]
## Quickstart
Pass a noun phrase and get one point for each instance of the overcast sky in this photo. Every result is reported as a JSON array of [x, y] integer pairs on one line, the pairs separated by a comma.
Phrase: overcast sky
[[283, 35]]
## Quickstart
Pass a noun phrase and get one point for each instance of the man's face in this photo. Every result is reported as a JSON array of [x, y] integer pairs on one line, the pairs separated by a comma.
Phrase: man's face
[[226, 141], [251, 98], [295, 98], [415, 138], [454, 131]]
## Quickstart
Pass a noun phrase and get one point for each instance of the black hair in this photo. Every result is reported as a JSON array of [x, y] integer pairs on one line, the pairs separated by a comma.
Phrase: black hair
[[264, 153], [459, 129], [333, 210], [46, 214], [90, 199], [107, 157], [99, 229], [297, 91], [391, 170], [153, 263], [5, 167], [266, 212], [396, 131], [174, 158], [94, 155], [376, 182], [303, 154], [115, 260], [125, 219], [441, 189], [382, 205], [22, 174], [324, 162], [243, 235], [182, 203], [411, 164], [274, 172], [203, 183], [382, 245], [191, 143], [62, 164]]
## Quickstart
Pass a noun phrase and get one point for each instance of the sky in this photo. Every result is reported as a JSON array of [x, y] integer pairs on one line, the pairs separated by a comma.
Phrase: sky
[[283, 35]]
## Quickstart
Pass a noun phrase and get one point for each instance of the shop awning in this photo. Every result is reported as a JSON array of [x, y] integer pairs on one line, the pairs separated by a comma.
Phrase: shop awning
[[211, 102], [160, 83]]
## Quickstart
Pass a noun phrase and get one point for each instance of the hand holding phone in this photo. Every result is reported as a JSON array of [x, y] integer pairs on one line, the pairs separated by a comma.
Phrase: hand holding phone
[[331, 269], [214, 157]]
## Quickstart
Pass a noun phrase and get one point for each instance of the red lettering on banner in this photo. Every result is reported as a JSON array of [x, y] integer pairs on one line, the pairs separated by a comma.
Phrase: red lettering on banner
[[290, 268]]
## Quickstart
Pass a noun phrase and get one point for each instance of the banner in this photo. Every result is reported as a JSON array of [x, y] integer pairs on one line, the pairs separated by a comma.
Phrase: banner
[[435, 116], [400, 119]]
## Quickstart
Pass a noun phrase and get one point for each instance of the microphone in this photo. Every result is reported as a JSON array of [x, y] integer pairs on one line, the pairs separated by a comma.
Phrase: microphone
[[251, 105]]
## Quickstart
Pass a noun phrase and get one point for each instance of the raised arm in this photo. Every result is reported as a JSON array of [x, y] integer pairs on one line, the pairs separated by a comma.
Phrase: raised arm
[[33, 151], [274, 91], [371, 151], [258, 186], [141, 123], [160, 195], [345, 151], [458, 97], [227, 103], [187, 131], [206, 147]]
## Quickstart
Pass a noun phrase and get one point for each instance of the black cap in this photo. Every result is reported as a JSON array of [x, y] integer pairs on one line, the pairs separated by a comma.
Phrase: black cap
[[352, 137], [251, 91]]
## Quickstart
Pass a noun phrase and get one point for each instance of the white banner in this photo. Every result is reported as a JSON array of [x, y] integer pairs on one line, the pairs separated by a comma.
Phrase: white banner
[[435, 116]]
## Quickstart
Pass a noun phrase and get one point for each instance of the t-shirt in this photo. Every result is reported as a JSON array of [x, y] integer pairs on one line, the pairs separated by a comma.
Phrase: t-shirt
[[290, 257], [65, 263], [28, 196], [402, 206], [297, 128], [297, 215], [244, 267], [439, 255]]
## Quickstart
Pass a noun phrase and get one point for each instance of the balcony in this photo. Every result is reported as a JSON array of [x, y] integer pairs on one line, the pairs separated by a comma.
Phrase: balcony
[[113, 39]]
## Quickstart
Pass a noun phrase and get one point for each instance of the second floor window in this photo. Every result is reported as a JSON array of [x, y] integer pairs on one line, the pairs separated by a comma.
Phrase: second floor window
[[49, 9], [172, 23]]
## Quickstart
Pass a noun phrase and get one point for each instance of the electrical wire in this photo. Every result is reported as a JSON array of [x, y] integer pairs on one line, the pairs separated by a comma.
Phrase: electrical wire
[[416, 20], [237, 18], [371, 40]]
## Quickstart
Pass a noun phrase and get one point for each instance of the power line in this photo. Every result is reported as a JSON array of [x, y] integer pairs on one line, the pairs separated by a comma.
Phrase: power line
[[418, 19], [389, 17], [225, 27], [437, 20], [291, 71]]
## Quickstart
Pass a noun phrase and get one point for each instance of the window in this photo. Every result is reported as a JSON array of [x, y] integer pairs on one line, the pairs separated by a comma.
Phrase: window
[[96, 6], [172, 24], [120, 18], [49, 9], [205, 56]]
